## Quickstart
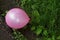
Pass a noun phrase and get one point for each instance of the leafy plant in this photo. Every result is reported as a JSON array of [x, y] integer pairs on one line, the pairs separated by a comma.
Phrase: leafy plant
[[18, 36], [38, 30], [58, 37]]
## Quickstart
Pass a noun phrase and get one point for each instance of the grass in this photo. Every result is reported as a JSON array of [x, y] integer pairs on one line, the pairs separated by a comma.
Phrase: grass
[[45, 21]]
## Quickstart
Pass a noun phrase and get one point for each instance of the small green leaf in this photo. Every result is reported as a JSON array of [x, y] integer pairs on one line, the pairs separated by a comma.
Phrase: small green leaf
[[49, 39], [53, 37], [36, 13], [58, 37], [37, 38], [38, 30], [35, 16], [3, 14], [45, 32], [33, 28]]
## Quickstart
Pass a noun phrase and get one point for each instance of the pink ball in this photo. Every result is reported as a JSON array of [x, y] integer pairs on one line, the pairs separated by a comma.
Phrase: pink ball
[[16, 18]]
